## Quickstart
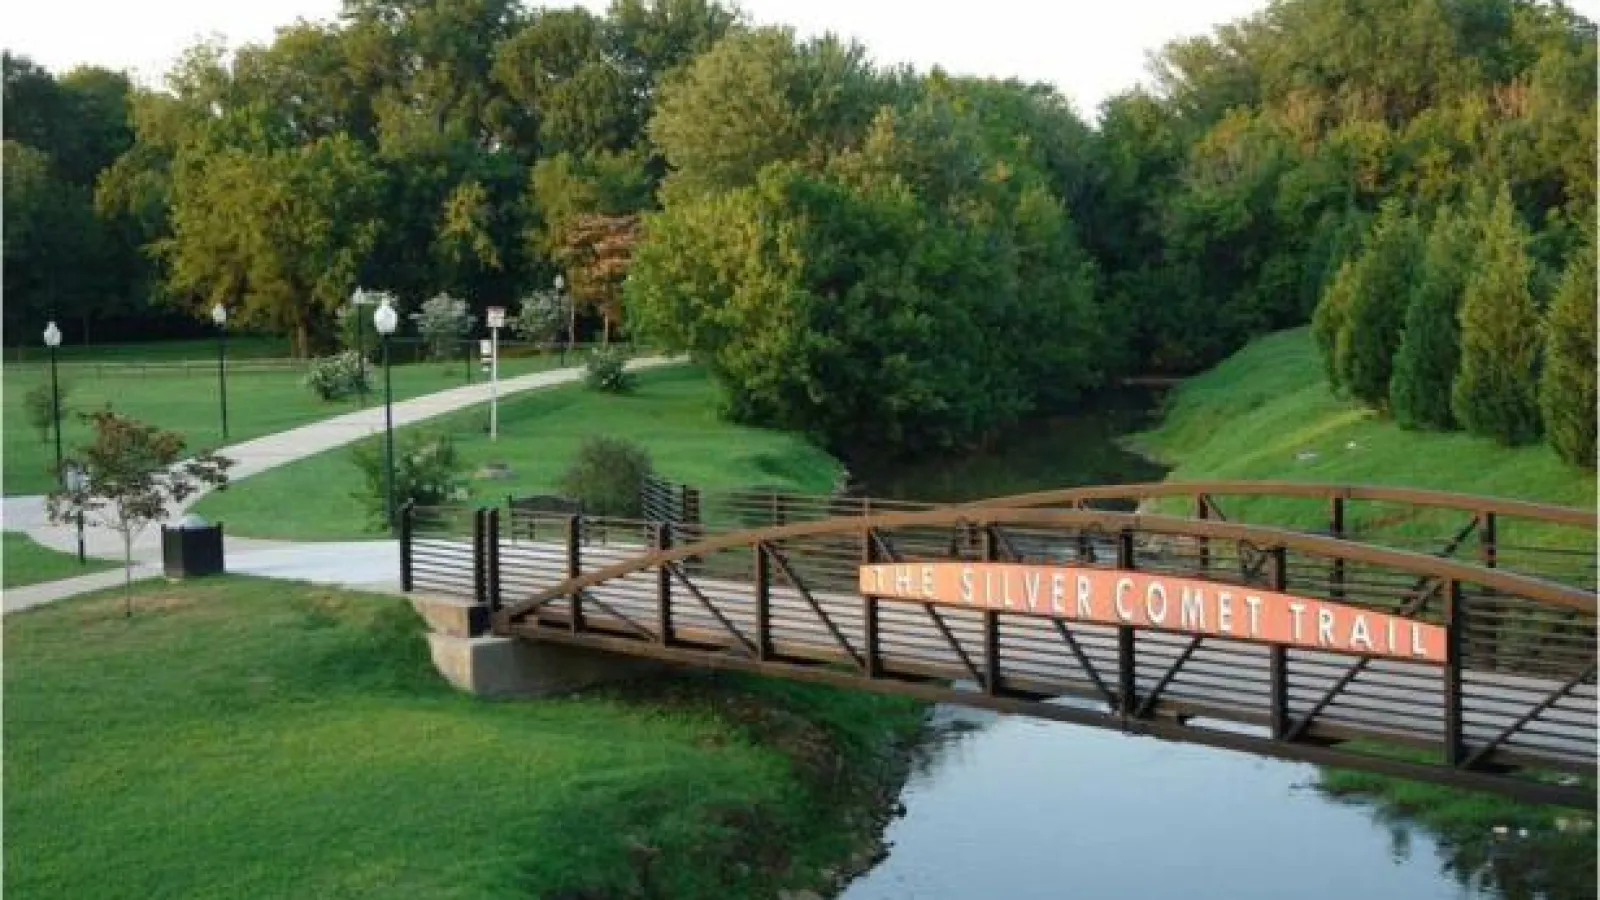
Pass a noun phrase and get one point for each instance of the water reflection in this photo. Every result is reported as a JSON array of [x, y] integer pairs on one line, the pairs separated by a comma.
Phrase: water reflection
[[1010, 807]]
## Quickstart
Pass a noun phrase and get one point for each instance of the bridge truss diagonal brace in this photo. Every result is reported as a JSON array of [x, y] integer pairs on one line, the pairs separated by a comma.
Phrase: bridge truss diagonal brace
[[1550, 700], [683, 579], [782, 563], [888, 552]]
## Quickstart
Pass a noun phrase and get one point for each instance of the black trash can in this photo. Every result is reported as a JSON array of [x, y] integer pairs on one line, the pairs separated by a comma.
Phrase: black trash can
[[191, 548]]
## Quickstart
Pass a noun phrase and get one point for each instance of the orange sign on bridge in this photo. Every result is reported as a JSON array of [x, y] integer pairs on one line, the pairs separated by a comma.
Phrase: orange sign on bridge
[[1146, 600]]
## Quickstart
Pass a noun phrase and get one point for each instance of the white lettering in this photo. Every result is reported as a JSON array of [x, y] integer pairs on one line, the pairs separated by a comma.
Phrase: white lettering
[[1295, 609], [966, 584], [1058, 594], [1392, 642], [1155, 589], [1124, 587], [1005, 590], [1254, 602], [877, 578], [1225, 612], [1359, 635], [1417, 647], [1084, 588], [1030, 589], [902, 580], [927, 582], [1324, 627], [1192, 609]]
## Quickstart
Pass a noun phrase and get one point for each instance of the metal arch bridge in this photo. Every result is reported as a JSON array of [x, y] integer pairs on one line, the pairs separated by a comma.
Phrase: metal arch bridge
[[1477, 672]]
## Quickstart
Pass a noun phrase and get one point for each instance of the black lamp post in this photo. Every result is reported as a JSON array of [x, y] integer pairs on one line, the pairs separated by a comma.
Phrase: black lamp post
[[359, 299], [385, 320], [219, 315], [572, 319], [52, 339]]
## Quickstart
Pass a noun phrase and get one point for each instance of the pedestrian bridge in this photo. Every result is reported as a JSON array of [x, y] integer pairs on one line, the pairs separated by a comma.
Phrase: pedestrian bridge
[[1422, 634]]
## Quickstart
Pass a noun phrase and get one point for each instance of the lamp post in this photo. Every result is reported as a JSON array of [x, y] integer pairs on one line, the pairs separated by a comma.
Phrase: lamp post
[[572, 318], [497, 320], [385, 320], [52, 339], [77, 480], [359, 299], [219, 315]]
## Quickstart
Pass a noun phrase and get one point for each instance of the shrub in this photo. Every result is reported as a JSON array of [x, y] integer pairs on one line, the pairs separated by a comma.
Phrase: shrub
[[40, 407], [427, 471], [1495, 393], [337, 377], [604, 371], [607, 476], [1430, 349], [1567, 385], [1377, 305], [542, 318], [443, 321]]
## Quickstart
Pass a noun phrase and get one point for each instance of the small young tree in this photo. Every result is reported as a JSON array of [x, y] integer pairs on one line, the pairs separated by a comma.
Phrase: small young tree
[[1430, 349], [443, 321], [542, 318], [133, 472], [1567, 385], [1377, 304], [428, 471], [1495, 392], [40, 405]]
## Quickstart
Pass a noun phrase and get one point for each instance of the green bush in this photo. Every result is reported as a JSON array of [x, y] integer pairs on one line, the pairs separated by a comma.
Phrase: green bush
[[1567, 385], [1377, 305], [40, 407], [1430, 349], [1495, 391], [604, 371], [427, 472], [607, 476], [337, 377]]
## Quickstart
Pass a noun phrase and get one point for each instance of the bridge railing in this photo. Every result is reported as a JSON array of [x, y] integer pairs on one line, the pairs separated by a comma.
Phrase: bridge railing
[[1552, 542], [440, 549]]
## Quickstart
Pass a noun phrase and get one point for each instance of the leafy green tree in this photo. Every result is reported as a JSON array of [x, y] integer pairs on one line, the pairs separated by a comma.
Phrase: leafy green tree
[[1495, 391], [1567, 384], [1329, 325], [1375, 307], [443, 322], [1430, 349]]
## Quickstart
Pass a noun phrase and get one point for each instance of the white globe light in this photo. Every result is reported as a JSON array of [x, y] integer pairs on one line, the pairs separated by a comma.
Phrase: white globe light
[[219, 315], [385, 319], [52, 335], [560, 282]]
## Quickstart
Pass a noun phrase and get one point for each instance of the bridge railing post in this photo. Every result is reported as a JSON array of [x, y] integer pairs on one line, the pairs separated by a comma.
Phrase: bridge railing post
[[1454, 623], [1278, 656], [407, 529], [869, 610], [1126, 659], [480, 568], [1202, 511], [663, 586], [575, 569], [763, 587], [491, 561], [1336, 529]]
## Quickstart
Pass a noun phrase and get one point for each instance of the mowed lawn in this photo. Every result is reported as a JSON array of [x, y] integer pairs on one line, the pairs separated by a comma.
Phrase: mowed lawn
[[672, 414], [259, 403], [246, 738], [26, 562], [1267, 413]]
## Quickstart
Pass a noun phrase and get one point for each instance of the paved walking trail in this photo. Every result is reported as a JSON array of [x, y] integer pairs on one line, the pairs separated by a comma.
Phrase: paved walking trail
[[371, 565]]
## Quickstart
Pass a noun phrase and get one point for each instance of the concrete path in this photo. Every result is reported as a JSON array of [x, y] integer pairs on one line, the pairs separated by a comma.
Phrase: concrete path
[[371, 565]]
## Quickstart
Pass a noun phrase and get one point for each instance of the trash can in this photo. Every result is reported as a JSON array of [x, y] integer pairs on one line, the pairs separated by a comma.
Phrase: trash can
[[191, 548]]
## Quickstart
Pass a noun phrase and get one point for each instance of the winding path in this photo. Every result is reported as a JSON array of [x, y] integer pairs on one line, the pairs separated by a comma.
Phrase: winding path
[[362, 564]]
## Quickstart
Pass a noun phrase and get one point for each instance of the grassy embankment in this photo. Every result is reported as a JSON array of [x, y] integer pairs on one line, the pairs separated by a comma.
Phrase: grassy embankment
[[1251, 418], [671, 414], [186, 400], [250, 738], [22, 562]]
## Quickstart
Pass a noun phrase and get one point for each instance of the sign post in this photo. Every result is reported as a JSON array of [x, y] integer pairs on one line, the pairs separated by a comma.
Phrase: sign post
[[497, 320]]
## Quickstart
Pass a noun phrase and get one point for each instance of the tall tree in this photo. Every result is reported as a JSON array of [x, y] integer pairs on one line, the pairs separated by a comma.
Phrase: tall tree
[[1430, 350], [1567, 384], [1494, 393]]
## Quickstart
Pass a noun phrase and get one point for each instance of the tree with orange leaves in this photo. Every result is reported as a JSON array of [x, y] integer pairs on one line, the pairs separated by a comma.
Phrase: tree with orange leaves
[[595, 251]]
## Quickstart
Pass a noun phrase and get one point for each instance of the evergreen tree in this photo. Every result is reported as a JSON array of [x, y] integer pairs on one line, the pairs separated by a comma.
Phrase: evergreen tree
[[1494, 393], [1430, 348], [1328, 324], [1566, 387], [1377, 305]]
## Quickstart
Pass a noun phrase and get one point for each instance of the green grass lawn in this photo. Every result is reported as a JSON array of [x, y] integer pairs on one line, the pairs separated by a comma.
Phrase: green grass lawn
[[259, 403], [1253, 415], [248, 738], [26, 562], [672, 414]]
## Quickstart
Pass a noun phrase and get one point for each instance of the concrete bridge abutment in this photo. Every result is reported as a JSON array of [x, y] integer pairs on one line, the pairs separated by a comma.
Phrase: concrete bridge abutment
[[490, 665]]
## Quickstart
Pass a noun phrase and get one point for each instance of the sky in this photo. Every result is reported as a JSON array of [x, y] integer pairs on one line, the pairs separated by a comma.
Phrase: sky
[[1089, 49]]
